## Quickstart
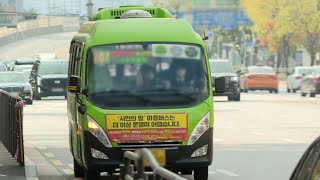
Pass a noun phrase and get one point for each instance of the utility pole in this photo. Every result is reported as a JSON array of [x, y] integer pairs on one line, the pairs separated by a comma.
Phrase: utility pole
[[89, 8]]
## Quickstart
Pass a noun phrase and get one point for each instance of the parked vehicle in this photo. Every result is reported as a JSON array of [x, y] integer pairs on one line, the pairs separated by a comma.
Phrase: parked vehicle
[[16, 84], [3, 67], [147, 88], [223, 68], [259, 78], [308, 167], [24, 61], [296, 76], [311, 83], [49, 78]]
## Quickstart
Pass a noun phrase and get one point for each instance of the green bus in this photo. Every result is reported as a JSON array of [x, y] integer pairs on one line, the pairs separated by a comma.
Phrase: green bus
[[139, 78]]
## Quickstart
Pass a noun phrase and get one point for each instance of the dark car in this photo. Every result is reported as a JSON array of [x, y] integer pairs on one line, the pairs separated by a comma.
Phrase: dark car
[[223, 68], [311, 83], [16, 84], [309, 165], [49, 78]]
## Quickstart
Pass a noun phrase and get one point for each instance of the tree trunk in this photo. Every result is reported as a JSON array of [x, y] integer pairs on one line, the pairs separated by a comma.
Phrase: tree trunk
[[313, 58], [279, 60]]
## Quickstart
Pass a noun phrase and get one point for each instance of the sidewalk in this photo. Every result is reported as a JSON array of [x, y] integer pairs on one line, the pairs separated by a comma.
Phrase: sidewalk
[[9, 168]]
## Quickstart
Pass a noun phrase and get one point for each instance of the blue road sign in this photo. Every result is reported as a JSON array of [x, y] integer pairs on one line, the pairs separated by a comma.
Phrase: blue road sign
[[224, 18]]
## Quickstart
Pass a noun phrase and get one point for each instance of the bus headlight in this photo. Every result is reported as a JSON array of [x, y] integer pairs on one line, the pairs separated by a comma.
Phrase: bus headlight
[[96, 130], [202, 126], [234, 78]]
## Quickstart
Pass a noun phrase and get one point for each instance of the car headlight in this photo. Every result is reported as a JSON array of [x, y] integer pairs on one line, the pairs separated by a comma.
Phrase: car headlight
[[95, 129], [202, 126], [234, 78], [27, 88]]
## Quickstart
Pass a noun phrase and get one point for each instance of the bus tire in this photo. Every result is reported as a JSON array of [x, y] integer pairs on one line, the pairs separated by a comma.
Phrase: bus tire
[[201, 173], [78, 170], [91, 175]]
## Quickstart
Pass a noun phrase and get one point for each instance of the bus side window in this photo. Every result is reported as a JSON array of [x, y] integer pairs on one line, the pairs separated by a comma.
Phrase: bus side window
[[72, 61], [79, 60]]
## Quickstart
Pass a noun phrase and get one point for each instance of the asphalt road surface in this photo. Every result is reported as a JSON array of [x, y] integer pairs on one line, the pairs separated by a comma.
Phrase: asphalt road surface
[[261, 137]]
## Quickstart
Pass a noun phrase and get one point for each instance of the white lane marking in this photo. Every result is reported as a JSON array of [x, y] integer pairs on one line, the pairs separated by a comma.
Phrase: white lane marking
[[289, 140], [226, 172], [71, 165], [212, 172], [57, 163], [42, 147], [258, 133], [2, 175], [218, 140], [49, 155], [67, 171]]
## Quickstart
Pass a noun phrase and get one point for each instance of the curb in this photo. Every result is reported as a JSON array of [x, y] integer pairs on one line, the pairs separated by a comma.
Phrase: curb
[[30, 169]]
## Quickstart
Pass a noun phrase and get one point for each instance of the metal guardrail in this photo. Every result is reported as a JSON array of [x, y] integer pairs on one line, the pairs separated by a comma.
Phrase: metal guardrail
[[11, 125], [158, 172]]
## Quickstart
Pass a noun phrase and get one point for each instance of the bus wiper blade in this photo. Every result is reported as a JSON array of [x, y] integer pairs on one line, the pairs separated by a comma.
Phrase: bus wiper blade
[[172, 91], [130, 94]]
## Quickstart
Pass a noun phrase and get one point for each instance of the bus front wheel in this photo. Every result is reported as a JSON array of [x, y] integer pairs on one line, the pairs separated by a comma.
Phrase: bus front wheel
[[78, 170], [91, 175], [201, 173]]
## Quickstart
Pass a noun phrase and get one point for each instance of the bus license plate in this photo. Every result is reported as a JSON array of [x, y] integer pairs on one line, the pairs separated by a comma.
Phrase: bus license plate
[[57, 90], [158, 154]]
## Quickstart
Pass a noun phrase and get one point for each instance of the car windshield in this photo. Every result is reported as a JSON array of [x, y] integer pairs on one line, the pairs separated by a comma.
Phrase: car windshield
[[304, 70], [58, 67], [260, 70], [221, 67], [146, 75], [21, 68], [12, 78]]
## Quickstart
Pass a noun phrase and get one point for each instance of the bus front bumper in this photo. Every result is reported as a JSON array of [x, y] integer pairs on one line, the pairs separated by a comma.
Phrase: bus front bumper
[[177, 158]]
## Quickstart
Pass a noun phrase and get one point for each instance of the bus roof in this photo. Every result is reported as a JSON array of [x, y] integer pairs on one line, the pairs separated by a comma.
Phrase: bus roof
[[137, 30]]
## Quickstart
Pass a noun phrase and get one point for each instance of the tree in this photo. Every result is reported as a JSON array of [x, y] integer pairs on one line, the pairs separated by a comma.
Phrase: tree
[[174, 5], [271, 26], [306, 18]]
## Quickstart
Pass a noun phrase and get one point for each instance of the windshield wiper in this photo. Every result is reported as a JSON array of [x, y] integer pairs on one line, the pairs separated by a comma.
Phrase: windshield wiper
[[173, 92], [125, 93]]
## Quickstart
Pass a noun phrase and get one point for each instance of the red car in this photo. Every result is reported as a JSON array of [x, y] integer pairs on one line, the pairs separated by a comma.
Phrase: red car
[[259, 78]]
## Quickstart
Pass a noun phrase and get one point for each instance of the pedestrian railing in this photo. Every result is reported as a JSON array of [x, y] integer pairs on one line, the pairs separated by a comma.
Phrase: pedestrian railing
[[158, 172], [11, 125]]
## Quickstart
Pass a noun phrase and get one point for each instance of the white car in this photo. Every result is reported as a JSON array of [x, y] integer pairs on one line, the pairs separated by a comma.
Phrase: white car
[[296, 76]]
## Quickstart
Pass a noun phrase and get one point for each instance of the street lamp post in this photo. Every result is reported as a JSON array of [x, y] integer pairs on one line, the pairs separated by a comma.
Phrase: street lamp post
[[89, 8]]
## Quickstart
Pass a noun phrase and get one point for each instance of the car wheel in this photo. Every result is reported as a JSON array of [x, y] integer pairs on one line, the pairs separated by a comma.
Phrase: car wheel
[[230, 98], [245, 90], [91, 175], [78, 169], [288, 90], [294, 90], [312, 95], [201, 173], [237, 97], [270, 91], [276, 91], [38, 96], [303, 94], [29, 101]]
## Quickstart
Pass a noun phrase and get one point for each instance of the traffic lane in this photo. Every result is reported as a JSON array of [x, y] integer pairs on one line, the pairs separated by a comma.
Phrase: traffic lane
[[262, 132], [249, 162]]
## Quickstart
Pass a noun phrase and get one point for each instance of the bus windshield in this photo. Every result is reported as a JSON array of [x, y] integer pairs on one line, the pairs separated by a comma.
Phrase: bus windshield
[[146, 75]]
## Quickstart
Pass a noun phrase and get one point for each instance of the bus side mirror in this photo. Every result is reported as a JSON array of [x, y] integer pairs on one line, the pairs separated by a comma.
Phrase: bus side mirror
[[220, 85], [74, 84]]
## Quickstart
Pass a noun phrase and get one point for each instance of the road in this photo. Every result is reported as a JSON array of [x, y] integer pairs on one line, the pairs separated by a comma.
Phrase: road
[[262, 137]]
